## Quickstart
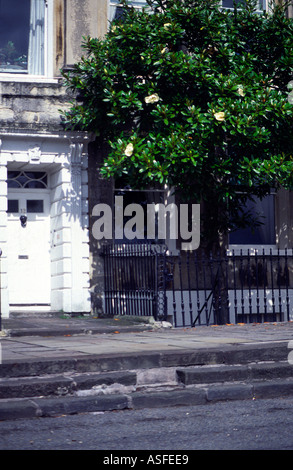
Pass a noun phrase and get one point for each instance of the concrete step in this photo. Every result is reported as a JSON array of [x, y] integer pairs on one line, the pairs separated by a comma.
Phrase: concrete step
[[235, 373]]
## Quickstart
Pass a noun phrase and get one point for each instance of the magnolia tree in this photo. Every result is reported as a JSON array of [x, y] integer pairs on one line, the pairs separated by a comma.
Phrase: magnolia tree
[[194, 97]]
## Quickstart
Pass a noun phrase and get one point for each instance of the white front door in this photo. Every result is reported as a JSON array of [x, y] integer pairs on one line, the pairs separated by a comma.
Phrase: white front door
[[28, 251]]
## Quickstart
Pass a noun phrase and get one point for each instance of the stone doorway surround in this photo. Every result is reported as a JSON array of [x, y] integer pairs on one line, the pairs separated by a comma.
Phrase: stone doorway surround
[[65, 159]]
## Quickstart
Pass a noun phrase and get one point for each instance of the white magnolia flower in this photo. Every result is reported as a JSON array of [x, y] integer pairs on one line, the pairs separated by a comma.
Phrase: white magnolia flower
[[152, 98], [129, 150], [167, 25], [220, 116], [240, 91]]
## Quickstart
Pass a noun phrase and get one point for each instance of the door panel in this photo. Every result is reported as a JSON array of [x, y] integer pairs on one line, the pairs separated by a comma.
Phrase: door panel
[[29, 248]]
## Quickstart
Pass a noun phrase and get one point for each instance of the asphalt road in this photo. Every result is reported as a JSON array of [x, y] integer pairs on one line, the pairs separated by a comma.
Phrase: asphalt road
[[238, 425]]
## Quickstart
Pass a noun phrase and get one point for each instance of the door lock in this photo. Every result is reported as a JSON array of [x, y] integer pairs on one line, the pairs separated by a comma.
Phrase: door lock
[[23, 220]]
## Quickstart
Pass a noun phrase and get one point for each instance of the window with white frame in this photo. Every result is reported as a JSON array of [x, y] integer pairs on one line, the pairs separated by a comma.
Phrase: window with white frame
[[22, 36], [261, 4], [116, 9]]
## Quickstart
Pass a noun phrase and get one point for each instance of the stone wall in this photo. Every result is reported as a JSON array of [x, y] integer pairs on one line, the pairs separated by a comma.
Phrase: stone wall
[[32, 106]]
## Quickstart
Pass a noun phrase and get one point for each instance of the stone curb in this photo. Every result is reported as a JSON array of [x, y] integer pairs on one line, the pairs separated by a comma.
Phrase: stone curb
[[50, 407], [17, 326], [240, 354], [74, 331], [61, 385]]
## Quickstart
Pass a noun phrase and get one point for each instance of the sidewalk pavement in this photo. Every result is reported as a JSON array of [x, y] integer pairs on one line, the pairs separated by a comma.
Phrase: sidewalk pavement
[[46, 336]]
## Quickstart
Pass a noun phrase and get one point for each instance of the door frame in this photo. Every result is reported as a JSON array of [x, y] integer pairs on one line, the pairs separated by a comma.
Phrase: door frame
[[64, 157]]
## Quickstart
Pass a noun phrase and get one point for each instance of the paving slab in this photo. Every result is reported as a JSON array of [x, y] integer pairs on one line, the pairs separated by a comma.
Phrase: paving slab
[[40, 337]]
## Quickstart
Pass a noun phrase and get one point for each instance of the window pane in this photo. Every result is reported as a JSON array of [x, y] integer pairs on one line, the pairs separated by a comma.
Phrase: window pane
[[14, 35], [227, 3], [12, 206], [35, 180], [142, 199], [35, 206], [36, 39], [263, 234], [35, 185], [27, 179], [14, 184], [261, 4], [22, 36], [117, 11]]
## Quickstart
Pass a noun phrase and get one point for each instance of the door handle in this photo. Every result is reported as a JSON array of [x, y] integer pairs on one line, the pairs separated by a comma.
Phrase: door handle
[[23, 220]]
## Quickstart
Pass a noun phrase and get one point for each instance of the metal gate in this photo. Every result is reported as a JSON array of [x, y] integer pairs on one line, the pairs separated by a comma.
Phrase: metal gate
[[134, 280]]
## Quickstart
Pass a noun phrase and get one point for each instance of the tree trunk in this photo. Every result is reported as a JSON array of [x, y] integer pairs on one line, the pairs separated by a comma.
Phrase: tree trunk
[[215, 247]]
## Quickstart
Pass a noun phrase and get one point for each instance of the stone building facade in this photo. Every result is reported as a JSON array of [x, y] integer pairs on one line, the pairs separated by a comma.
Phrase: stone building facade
[[44, 222], [49, 178]]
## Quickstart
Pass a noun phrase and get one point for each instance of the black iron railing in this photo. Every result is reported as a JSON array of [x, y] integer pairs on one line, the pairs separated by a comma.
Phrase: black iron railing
[[195, 288], [242, 287]]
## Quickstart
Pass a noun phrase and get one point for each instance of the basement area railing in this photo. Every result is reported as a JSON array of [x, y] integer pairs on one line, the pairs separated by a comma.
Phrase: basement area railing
[[192, 288]]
